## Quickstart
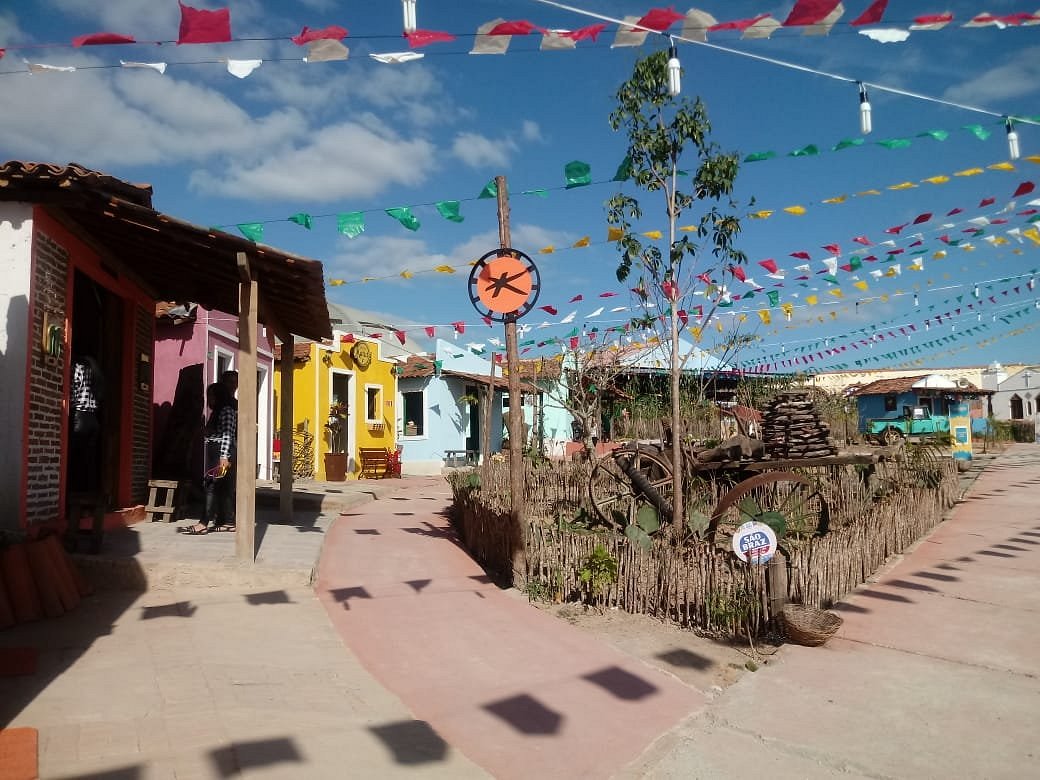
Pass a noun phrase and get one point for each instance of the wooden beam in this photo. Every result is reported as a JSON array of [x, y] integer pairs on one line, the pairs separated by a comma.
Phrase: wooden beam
[[245, 497]]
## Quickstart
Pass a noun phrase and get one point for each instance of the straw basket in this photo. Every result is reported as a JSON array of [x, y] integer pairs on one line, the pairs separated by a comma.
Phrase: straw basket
[[808, 625]]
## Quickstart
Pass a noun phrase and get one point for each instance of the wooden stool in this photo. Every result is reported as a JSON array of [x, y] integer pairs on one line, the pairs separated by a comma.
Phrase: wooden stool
[[167, 509], [95, 503]]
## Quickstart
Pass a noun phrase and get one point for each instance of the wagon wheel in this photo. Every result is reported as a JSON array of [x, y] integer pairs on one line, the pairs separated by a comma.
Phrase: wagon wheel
[[891, 436], [628, 479], [784, 500]]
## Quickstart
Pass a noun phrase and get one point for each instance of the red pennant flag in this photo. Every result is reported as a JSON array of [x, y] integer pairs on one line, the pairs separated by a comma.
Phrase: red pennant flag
[[607, 295], [487, 320], [460, 327], [704, 278], [592, 31], [806, 12], [917, 243], [204, 26], [375, 335], [101, 39], [922, 218], [574, 342], [896, 251], [519, 27], [872, 15], [1024, 189], [429, 330], [998, 221], [578, 297], [862, 240], [738, 272], [834, 249], [769, 265], [799, 256], [683, 317], [550, 309], [951, 212], [348, 338], [1028, 213], [640, 291], [896, 229], [930, 19], [418, 38], [307, 35], [659, 19], [400, 335], [497, 357], [738, 24], [945, 239], [670, 290], [987, 202]]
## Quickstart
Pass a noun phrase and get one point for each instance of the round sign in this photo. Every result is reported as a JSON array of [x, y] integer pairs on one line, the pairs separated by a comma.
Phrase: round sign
[[754, 542], [361, 354], [504, 284]]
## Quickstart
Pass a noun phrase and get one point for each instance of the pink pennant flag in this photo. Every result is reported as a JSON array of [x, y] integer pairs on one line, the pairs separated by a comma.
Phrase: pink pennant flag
[[660, 19], [872, 15], [799, 255], [418, 38], [987, 202], [738, 24], [806, 12], [576, 298], [519, 27], [607, 294], [920, 218], [945, 239], [101, 39], [592, 31], [307, 35], [574, 342], [348, 338], [896, 229], [204, 26], [951, 212], [550, 309], [863, 240], [834, 249], [487, 320], [738, 272], [1024, 189], [998, 221], [460, 327], [429, 330], [670, 290], [769, 265], [931, 21], [704, 278], [400, 335]]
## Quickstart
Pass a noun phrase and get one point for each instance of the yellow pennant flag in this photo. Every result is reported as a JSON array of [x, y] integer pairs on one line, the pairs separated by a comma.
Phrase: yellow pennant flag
[[860, 285], [696, 333], [583, 241], [969, 172], [939, 255], [836, 293], [653, 234], [936, 180], [1001, 166], [868, 192], [798, 211], [444, 269], [884, 298], [742, 318], [688, 228], [718, 325], [615, 234], [406, 274], [1033, 234], [760, 214], [654, 340], [834, 315], [1033, 158], [812, 300], [906, 185], [839, 199], [788, 309], [765, 316], [336, 282], [547, 250]]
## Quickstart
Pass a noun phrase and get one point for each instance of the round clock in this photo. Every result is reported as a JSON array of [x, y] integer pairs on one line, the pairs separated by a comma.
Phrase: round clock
[[361, 354], [504, 284]]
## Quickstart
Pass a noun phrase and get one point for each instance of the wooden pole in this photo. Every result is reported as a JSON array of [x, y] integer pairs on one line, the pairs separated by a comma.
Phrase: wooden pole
[[245, 480], [488, 396], [285, 431], [516, 420]]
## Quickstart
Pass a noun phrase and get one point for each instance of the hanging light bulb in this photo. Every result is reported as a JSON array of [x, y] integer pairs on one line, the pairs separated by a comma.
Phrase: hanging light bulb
[[865, 123], [975, 291], [674, 72], [408, 7], [1031, 283], [916, 302], [1012, 137]]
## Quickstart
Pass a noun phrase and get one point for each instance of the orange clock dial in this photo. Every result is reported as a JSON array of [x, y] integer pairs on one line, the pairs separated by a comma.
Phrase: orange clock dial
[[504, 284]]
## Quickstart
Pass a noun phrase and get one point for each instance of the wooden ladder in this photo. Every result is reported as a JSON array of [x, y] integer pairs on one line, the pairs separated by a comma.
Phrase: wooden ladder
[[168, 510]]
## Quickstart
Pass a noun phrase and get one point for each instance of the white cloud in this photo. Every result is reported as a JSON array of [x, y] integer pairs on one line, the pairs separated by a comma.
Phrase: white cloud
[[530, 131], [1015, 79], [479, 151]]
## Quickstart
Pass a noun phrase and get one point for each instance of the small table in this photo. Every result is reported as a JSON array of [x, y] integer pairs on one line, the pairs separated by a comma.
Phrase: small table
[[467, 457]]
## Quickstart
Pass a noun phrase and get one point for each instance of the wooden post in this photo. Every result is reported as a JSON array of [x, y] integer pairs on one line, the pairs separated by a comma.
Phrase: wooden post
[[776, 584], [285, 430], [245, 481], [516, 420], [485, 423]]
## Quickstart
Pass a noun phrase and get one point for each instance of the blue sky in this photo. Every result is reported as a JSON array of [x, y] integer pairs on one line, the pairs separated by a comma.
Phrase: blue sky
[[337, 137]]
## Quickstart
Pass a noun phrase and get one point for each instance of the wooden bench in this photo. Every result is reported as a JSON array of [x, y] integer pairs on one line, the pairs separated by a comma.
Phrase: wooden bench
[[453, 458], [375, 462]]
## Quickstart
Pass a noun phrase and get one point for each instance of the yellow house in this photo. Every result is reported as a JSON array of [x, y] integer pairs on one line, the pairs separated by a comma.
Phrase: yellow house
[[343, 400]]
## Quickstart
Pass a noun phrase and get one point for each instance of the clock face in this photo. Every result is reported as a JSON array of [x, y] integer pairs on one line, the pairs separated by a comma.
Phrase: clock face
[[361, 354], [504, 284]]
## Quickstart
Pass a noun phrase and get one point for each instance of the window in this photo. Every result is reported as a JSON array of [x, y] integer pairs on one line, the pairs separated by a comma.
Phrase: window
[[372, 410], [1016, 407], [221, 363], [340, 388], [890, 403], [414, 411]]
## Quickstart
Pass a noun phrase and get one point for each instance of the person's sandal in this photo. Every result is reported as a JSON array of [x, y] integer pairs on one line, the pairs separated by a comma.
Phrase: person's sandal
[[225, 527], [198, 529]]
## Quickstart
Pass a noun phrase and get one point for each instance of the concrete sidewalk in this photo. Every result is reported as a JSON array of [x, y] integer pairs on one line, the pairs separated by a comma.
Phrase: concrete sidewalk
[[935, 673]]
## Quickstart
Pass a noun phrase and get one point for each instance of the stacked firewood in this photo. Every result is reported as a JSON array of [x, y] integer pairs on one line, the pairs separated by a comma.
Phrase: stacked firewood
[[792, 428]]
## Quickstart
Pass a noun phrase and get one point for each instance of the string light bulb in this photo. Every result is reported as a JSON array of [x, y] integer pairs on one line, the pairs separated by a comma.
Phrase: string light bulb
[[1012, 138], [916, 302], [674, 72], [408, 7], [975, 291], [866, 124]]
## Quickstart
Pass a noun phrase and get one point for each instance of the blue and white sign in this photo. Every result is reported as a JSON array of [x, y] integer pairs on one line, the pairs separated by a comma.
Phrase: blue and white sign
[[754, 542]]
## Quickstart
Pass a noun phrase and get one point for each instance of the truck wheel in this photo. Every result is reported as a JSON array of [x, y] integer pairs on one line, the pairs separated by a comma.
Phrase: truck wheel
[[892, 436]]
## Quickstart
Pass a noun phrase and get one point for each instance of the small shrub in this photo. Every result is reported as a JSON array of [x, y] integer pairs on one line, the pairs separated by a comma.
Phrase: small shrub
[[598, 572]]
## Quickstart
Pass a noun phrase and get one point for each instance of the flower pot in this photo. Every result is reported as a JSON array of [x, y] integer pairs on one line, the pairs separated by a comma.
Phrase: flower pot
[[335, 466]]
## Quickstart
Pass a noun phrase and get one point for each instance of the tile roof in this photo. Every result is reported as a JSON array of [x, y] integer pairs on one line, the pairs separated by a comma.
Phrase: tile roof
[[900, 384]]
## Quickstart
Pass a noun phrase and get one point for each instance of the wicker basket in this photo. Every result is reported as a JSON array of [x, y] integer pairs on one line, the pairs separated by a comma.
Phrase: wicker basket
[[808, 625]]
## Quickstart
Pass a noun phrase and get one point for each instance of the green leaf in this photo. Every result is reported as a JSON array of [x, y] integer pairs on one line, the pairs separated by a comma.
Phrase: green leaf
[[749, 506], [473, 480], [647, 519], [696, 520], [638, 536], [774, 520]]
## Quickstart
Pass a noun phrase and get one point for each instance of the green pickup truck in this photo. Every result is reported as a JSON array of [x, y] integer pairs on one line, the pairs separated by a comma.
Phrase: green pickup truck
[[913, 421]]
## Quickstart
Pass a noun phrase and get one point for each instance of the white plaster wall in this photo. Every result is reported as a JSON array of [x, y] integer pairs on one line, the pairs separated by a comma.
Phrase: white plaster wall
[[15, 249]]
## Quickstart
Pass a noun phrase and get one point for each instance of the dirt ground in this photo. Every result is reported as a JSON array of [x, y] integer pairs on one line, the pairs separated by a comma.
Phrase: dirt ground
[[707, 664]]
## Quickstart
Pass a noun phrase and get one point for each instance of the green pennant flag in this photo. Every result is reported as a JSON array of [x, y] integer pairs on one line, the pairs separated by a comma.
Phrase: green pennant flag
[[760, 156], [774, 297], [805, 151], [578, 174], [919, 251], [254, 231], [437, 366], [725, 304], [572, 334], [541, 193], [351, 225], [449, 209], [831, 278], [845, 143], [302, 219], [624, 170], [938, 135], [855, 263], [748, 295], [490, 191], [895, 143], [978, 131], [404, 215]]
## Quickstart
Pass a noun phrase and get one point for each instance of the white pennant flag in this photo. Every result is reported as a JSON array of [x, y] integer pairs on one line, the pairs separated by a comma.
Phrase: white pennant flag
[[156, 66], [39, 67], [886, 36], [242, 68], [397, 57]]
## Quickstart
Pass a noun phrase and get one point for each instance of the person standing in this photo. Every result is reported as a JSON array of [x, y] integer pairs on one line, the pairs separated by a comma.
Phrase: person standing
[[221, 433], [84, 405]]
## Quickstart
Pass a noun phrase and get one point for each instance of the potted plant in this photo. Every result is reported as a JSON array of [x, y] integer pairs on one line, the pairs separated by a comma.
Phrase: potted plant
[[336, 457]]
